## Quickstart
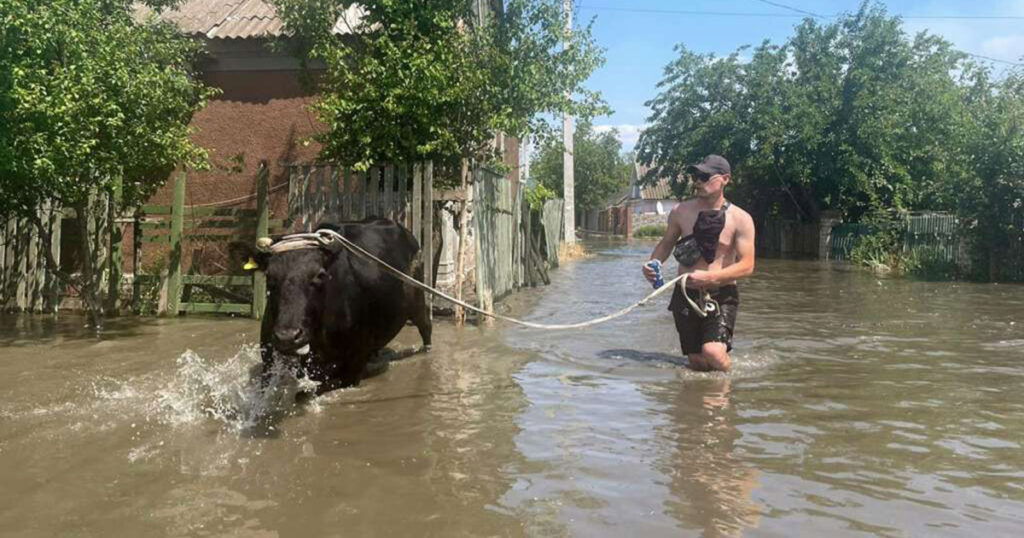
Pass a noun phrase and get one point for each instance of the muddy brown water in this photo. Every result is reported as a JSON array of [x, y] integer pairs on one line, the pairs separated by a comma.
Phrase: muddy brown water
[[858, 406]]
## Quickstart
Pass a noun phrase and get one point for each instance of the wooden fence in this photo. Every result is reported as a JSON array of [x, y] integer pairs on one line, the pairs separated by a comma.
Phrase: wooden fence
[[403, 193], [185, 231], [515, 247], [26, 282], [787, 238], [945, 240]]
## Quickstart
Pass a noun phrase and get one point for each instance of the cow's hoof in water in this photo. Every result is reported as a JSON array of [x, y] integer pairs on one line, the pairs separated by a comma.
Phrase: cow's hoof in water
[[376, 367]]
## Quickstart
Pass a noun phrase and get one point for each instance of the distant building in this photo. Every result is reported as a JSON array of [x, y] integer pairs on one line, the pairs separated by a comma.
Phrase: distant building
[[637, 206]]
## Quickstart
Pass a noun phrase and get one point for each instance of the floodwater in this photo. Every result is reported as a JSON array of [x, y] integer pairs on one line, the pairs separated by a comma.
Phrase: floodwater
[[857, 406]]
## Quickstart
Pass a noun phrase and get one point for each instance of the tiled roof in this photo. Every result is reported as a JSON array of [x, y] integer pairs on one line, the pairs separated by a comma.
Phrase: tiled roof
[[662, 190], [238, 19]]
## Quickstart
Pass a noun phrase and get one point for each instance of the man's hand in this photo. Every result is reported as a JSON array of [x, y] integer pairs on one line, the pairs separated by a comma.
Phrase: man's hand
[[648, 273], [701, 278]]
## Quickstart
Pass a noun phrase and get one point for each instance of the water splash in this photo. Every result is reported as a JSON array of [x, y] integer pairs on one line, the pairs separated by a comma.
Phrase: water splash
[[231, 392]]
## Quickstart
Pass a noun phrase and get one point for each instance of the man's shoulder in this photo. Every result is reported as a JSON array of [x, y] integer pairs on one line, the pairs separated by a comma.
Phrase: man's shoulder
[[741, 215], [685, 204]]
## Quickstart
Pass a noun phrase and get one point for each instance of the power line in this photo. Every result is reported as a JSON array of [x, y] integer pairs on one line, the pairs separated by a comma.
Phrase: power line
[[691, 12], [989, 58], [790, 8], [792, 16]]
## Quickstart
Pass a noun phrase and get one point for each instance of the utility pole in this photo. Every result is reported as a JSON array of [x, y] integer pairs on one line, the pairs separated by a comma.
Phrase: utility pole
[[568, 177], [524, 160]]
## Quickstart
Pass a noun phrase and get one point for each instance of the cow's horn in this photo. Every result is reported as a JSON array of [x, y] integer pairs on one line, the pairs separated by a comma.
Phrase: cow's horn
[[263, 244]]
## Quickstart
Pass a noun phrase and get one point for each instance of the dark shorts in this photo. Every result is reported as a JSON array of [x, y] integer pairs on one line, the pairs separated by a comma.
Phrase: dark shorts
[[695, 331]]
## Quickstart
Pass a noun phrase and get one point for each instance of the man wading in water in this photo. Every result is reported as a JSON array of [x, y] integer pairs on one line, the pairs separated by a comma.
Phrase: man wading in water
[[717, 247]]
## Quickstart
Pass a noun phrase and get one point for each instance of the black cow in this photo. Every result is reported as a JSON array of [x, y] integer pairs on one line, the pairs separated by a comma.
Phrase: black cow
[[335, 309]]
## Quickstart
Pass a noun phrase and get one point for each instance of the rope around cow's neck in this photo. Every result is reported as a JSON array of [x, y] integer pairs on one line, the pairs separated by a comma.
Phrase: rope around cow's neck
[[325, 237]]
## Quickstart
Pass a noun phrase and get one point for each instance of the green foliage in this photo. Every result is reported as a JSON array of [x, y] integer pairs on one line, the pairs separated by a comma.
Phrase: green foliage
[[90, 98], [436, 80], [929, 263], [600, 169], [851, 115], [990, 199], [654, 230], [91, 101], [878, 251], [538, 194]]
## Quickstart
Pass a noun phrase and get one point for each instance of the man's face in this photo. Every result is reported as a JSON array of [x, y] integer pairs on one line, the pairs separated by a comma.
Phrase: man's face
[[708, 185]]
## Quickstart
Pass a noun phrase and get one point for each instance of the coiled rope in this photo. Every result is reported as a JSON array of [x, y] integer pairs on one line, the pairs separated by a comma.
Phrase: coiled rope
[[325, 238]]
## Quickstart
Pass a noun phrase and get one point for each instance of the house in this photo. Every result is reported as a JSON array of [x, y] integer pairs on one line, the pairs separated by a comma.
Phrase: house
[[637, 206], [263, 110], [647, 205]]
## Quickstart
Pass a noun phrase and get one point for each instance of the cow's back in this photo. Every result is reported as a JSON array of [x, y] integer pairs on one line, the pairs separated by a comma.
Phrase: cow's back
[[365, 305]]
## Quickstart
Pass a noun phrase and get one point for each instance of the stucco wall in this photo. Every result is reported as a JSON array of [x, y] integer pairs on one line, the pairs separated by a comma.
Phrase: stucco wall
[[259, 115]]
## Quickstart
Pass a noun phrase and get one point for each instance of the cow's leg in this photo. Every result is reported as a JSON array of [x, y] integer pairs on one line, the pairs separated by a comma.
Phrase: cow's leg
[[421, 318], [266, 349], [347, 374]]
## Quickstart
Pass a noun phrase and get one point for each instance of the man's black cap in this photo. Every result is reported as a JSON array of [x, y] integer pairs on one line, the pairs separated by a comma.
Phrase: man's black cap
[[711, 165]]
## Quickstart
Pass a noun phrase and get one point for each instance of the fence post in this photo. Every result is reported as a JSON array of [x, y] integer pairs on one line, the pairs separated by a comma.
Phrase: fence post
[[33, 284], [826, 222], [21, 267], [137, 262], [259, 279], [116, 250], [417, 202], [348, 186], [52, 282], [387, 196], [177, 226], [428, 233], [10, 262]]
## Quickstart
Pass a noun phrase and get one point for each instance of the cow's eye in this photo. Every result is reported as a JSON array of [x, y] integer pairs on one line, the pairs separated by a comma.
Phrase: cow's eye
[[319, 278]]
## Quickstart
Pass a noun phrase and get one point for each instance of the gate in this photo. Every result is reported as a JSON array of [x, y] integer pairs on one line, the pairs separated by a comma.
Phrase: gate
[[195, 292]]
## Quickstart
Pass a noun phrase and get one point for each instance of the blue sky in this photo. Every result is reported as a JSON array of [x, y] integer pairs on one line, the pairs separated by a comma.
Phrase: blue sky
[[638, 37]]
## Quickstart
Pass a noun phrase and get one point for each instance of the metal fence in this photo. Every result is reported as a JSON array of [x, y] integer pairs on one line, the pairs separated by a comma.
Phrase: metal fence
[[944, 239]]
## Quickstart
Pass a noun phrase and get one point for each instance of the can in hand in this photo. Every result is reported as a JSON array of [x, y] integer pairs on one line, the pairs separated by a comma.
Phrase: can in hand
[[655, 266]]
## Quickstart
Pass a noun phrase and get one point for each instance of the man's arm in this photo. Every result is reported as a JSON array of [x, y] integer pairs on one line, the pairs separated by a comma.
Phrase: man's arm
[[668, 241], [744, 266]]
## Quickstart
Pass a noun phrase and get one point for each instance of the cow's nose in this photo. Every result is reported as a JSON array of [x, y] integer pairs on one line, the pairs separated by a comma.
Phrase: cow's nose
[[288, 336]]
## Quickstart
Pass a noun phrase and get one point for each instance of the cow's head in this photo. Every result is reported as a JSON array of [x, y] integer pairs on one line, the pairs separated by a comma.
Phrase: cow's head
[[295, 281]]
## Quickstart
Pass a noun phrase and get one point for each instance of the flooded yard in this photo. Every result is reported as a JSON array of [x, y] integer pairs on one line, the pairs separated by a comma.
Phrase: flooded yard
[[857, 406]]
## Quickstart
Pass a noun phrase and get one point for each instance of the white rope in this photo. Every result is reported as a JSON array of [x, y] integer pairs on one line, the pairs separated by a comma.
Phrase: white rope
[[325, 237]]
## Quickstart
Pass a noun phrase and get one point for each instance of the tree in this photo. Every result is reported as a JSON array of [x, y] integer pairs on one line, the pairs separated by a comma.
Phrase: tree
[[601, 169], [92, 103], [852, 115], [438, 79], [990, 197]]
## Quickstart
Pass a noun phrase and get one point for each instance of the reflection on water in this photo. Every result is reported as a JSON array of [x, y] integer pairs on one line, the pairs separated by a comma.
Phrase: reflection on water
[[711, 483], [856, 405]]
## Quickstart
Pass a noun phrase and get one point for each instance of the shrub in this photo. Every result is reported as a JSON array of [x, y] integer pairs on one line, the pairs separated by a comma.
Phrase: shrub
[[929, 263], [654, 230]]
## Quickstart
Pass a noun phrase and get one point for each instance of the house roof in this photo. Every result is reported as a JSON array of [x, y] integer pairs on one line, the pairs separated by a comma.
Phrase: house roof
[[238, 19], [662, 190]]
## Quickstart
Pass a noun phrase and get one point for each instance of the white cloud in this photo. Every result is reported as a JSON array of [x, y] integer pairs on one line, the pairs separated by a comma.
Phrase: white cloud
[[629, 134], [1009, 47], [1001, 39]]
